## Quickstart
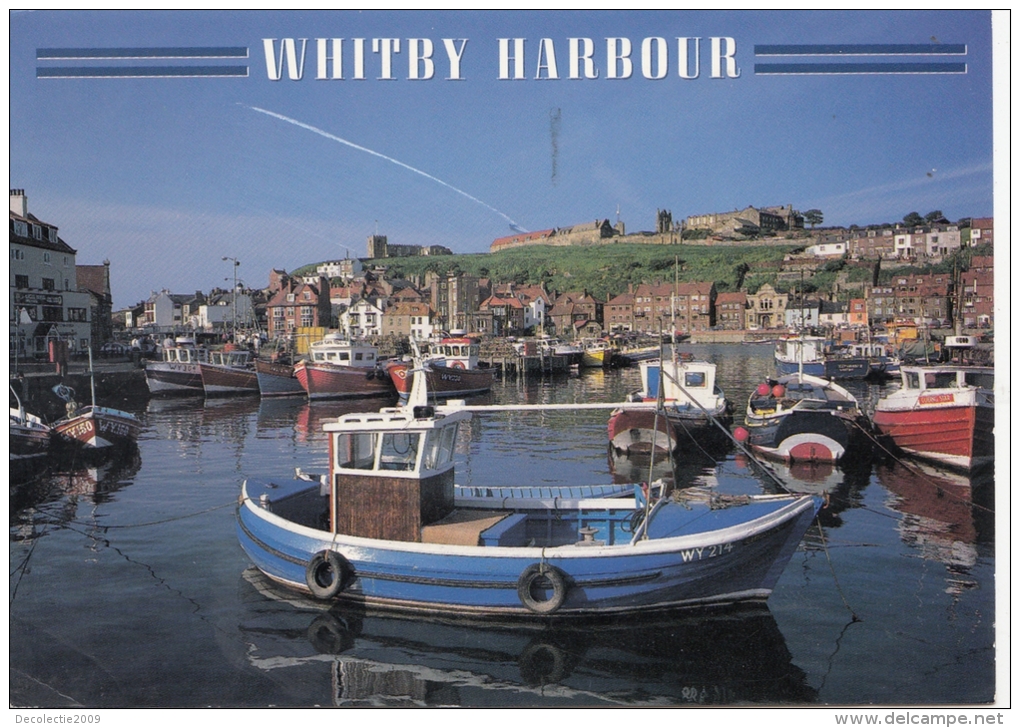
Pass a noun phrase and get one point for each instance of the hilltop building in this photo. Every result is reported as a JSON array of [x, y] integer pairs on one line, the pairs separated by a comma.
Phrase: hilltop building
[[749, 221], [380, 247], [598, 232]]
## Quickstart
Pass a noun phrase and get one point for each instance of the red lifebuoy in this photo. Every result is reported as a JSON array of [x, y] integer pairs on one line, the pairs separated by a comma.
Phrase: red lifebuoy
[[457, 365]]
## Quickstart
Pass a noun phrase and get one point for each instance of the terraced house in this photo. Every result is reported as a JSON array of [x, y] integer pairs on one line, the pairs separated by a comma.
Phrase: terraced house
[[45, 303]]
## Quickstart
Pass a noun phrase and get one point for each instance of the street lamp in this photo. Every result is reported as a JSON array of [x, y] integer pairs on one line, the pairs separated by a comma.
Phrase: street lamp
[[233, 297]]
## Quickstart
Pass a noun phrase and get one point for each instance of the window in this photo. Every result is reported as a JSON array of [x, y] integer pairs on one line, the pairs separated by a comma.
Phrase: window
[[694, 379], [17, 254], [48, 284], [20, 281], [52, 313], [46, 257], [77, 314]]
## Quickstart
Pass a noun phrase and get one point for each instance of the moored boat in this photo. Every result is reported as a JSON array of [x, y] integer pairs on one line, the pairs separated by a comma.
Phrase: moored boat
[[29, 435], [178, 372], [277, 380], [944, 414], [338, 368], [811, 355], [694, 409], [597, 354], [93, 429], [384, 530], [229, 371], [96, 429], [451, 368], [799, 417]]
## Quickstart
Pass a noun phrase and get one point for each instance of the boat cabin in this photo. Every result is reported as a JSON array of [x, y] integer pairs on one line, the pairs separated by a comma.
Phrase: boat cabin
[[391, 472], [933, 378], [459, 352], [686, 382], [800, 349], [343, 352], [185, 354], [233, 358]]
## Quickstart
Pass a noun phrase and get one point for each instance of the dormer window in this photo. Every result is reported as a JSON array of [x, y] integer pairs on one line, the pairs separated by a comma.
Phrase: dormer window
[[290, 298]]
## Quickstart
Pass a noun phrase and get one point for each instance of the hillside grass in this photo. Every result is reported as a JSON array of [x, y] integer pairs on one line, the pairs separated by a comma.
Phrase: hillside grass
[[604, 271]]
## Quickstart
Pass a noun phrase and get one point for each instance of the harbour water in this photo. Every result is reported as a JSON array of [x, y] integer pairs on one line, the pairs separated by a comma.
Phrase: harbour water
[[128, 587]]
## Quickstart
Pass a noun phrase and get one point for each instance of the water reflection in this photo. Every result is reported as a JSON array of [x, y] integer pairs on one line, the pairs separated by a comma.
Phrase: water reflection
[[52, 500], [679, 657], [945, 516]]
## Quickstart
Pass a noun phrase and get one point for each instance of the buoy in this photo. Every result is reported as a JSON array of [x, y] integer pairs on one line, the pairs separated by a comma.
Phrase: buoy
[[763, 389], [741, 434], [778, 391]]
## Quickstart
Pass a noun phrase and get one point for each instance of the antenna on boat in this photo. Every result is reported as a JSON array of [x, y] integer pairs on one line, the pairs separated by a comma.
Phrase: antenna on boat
[[92, 376]]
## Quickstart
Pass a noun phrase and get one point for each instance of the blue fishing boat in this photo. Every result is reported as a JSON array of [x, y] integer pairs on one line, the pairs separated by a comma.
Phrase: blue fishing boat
[[386, 528], [814, 356]]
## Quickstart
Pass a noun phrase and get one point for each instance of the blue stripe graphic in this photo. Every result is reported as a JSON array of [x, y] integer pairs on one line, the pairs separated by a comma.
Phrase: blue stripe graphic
[[142, 72], [864, 49], [793, 69], [82, 54]]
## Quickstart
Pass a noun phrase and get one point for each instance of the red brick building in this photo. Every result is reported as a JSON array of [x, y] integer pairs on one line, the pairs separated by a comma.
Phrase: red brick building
[[298, 305]]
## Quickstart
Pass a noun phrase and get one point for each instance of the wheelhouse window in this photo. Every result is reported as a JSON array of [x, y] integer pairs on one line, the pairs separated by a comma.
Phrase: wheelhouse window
[[439, 447], [694, 379], [388, 451], [940, 380]]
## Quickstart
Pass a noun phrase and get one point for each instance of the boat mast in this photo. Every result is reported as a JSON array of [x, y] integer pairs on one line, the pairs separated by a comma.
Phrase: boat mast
[[92, 376]]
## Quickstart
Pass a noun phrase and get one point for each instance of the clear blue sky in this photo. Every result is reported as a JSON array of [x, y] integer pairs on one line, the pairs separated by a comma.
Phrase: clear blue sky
[[165, 176]]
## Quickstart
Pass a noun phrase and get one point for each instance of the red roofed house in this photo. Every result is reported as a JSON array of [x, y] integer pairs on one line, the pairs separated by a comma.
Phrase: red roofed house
[[576, 314], [507, 314], [298, 305], [730, 310], [619, 312]]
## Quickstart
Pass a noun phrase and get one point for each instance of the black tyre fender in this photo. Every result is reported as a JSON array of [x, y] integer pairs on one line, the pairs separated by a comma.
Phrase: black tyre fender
[[327, 574], [542, 575]]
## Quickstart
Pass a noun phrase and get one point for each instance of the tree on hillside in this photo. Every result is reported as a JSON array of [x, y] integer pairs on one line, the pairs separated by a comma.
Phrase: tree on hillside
[[741, 271], [813, 217], [913, 219], [934, 216]]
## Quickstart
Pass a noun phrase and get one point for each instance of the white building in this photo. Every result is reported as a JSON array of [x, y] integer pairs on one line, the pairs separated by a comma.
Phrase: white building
[[346, 268], [803, 314], [827, 250], [222, 310], [45, 303], [362, 319]]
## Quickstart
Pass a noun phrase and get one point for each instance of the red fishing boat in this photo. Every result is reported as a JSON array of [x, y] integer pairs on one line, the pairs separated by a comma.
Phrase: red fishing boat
[[338, 368], [93, 429], [944, 414], [451, 370]]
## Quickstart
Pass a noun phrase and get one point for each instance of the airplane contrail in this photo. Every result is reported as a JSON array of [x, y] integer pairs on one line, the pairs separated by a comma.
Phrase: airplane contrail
[[397, 162]]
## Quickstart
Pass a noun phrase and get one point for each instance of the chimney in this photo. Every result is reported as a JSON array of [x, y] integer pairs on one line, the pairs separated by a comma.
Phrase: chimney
[[19, 203]]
